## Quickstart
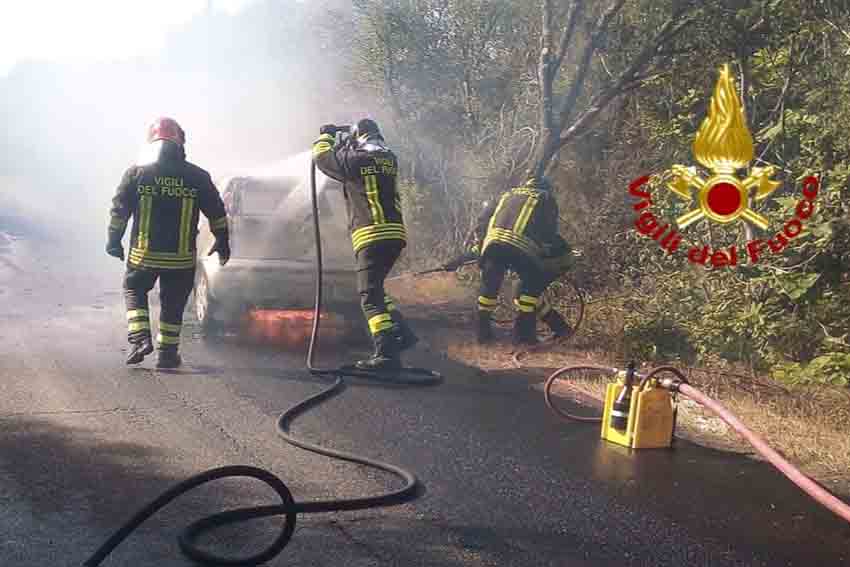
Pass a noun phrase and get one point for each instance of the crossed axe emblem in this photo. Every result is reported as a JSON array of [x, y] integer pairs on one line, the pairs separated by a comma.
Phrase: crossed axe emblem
[[723, 197]]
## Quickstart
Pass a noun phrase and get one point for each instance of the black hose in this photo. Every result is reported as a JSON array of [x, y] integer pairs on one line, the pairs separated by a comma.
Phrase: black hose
[[289, 508]]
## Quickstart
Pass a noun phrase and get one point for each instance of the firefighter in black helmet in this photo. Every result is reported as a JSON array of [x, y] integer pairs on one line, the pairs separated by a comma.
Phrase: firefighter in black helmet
[[164, 197], [368, 170], [521, 228], [558, 261]]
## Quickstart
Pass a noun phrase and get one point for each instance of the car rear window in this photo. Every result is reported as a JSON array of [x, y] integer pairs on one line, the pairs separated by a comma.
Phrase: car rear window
[[261, 202], [266, 224]]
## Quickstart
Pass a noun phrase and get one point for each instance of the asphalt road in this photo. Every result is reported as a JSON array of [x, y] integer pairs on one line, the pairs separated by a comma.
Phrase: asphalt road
[[86, 441]]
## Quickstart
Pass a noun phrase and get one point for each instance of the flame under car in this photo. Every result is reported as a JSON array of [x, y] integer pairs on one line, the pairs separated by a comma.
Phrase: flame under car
[[266, 292]]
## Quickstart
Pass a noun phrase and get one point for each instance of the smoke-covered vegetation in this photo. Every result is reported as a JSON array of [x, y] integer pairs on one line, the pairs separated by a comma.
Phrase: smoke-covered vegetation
[[249, 89], [472, 105]]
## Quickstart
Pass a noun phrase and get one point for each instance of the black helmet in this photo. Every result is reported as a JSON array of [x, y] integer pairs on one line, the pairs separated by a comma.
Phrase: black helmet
[[367, 127]]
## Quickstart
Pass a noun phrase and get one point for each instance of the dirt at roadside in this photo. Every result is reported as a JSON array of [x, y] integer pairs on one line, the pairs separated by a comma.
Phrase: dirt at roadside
[[442, 312]]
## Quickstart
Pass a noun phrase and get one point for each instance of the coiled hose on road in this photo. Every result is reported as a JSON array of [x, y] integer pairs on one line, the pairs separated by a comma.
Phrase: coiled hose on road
[[288, 507], [680, 384]]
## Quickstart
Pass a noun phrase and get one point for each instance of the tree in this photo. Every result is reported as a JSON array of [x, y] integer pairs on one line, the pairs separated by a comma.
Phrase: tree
[[564, 126]]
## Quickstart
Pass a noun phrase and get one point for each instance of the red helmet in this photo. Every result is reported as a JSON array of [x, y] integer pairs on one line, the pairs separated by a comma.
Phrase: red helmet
[[166, 129]]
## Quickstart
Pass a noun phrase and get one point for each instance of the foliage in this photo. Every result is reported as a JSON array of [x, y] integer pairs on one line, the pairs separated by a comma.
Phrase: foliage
[[459, 82]]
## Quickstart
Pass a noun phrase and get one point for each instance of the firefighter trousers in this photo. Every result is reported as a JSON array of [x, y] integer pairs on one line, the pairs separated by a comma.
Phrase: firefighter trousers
[[174, 289], [374, 262], [495, 261], [543, 305]]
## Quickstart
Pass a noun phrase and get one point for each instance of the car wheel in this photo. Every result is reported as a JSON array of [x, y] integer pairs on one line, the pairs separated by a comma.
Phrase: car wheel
[[205, 305]]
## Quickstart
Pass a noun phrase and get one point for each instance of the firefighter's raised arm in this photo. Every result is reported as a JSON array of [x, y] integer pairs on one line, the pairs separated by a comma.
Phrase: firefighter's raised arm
[[326, 155]]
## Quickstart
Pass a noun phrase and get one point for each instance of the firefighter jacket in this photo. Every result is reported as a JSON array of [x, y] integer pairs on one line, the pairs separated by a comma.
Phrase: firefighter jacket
[[368, 173], [525, 217], [165, 198]]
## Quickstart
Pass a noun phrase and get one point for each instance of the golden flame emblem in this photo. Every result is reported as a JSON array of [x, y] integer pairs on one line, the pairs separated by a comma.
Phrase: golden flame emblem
[[723, 145]]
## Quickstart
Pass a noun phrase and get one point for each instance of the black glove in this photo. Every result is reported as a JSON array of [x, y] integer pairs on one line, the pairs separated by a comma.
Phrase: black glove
[[222, 246], [115, 249], [328, 129]]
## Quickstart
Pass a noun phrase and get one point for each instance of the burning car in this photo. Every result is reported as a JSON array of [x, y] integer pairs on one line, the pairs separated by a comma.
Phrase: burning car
[[268, 285]]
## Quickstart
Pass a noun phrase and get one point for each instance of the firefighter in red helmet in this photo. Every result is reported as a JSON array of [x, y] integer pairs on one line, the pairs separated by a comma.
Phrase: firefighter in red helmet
[[368, 170], [163, 196]]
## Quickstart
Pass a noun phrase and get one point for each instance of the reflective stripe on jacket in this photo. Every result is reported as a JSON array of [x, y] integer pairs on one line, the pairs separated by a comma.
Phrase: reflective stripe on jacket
[[369, 174], [164, 199], [525, 218]]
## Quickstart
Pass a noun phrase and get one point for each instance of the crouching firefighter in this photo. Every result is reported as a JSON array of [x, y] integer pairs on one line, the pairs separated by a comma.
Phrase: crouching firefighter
[[164, 197], [556, 262], [520, 227], [368, 169]]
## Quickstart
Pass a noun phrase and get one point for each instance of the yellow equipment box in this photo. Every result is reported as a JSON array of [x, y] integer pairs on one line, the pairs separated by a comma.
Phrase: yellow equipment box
[[651, 417]]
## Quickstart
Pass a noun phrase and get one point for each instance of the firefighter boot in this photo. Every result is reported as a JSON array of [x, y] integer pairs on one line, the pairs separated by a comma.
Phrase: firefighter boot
[[168, 358], [408, 337], [485, 327], [387, 348], [560, 328], [525, 329], [140, 350]]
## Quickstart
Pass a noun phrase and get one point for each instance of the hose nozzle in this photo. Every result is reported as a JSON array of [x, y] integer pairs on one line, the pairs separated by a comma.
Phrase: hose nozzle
[[671, 383]]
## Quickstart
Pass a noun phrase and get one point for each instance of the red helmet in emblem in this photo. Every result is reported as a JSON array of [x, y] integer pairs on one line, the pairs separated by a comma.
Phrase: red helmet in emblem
[[166, 129]]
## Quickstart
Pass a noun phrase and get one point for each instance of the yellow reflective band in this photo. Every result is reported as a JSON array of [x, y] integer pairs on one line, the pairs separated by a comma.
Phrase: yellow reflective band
[[166, 340], [526, 308], [145, 258], [380, 323], [508, 237], [169, 327], [322, 145], [138, 326], [185, 226], [145, 206], [530, 299], [165, 260], [367, 232], [501, 204], [218, 224], [389, 303], [368, 239], [117, 223], [373, 233], [160, 255], [373, 196], [133, 313], [159, 264], [483, 300], [525, 215]]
